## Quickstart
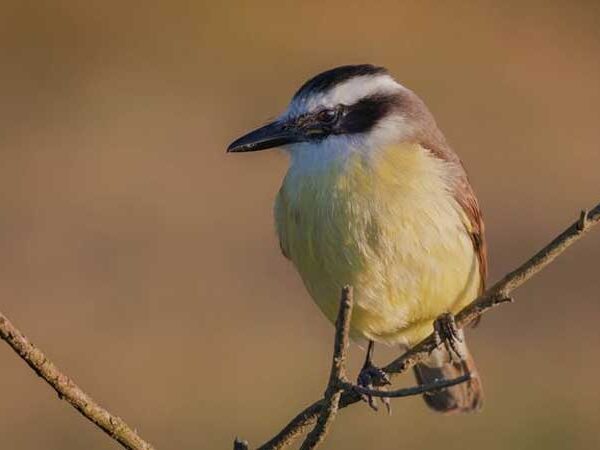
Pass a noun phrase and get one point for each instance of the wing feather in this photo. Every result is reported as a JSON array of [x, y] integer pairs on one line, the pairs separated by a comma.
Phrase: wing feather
[[465, 196]]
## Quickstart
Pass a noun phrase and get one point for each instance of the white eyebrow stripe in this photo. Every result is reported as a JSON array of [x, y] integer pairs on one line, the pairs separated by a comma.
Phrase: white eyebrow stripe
[[351, 91], [347, 93]]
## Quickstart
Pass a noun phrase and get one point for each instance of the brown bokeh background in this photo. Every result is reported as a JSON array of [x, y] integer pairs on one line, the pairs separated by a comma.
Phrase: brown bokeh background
[[143, 260]]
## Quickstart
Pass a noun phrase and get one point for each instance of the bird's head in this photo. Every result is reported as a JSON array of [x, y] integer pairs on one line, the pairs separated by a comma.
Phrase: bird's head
[[346, 109]]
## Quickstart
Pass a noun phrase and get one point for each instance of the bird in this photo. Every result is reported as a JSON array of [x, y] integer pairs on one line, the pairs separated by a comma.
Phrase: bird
[[375, 197]]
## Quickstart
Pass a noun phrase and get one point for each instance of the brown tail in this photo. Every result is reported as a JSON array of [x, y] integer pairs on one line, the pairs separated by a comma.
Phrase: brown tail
[[464, 397]]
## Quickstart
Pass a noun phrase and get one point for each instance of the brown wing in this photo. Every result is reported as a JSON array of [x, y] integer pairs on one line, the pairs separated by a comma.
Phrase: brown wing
[[426, 133], [466, 198], [464, 195]]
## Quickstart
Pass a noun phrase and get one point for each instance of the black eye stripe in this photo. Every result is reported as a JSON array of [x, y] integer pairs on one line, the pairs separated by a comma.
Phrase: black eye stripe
[[367, 112], [359, 117], [328, 115], [318, 118], [364, 114]]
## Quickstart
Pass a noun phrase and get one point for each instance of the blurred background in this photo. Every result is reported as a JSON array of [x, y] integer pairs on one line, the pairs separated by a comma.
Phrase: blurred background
[[143, 259]]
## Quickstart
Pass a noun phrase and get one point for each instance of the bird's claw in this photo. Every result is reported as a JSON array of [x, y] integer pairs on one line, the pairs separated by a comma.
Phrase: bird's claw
[[447, 333], [370, 377]]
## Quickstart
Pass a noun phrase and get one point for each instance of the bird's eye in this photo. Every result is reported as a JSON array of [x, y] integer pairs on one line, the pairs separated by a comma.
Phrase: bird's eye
[[327, 116]]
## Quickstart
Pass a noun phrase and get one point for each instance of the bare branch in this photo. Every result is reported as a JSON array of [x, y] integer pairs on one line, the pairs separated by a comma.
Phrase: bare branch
[[499, 293], [112, 425], [407, 392], [337, 376], [337, 394]]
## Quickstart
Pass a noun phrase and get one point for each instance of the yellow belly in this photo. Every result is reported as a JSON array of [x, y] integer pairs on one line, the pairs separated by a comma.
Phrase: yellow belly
[[387, 224]]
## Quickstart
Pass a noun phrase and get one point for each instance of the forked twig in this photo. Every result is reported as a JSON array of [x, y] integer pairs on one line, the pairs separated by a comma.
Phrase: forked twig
[[499, 293], [337, 376], [339, 394], [338, 383]]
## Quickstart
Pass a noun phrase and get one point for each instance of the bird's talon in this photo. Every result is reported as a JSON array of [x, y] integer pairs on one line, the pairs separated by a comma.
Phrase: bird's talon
[[369, 377], [447, 333], [388, 405], [371, 402], [373, 376]]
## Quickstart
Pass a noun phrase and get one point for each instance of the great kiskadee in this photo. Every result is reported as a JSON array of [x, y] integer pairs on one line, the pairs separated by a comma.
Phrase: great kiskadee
[[375, 197]]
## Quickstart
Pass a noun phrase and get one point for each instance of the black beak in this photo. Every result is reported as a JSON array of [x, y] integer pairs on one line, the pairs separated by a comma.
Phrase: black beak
[[272, 135]]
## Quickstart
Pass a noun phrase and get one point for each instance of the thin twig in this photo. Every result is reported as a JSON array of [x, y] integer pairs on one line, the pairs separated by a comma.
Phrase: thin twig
[[337, 376], [407, 392], [112, 425], [499, 293], [240, 444]]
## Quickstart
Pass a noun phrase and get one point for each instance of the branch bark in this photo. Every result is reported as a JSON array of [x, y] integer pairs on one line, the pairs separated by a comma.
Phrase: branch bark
[[499, 293], [337, 376], [338, 394], [240, 444], [407, 392], [112, 425]]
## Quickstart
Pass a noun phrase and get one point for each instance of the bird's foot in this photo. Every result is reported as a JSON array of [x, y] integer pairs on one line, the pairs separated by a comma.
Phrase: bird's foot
[[448, 334], [369, 377]]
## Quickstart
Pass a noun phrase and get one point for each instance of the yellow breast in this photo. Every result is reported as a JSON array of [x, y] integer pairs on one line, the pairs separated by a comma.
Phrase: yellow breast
[[388, 224]]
